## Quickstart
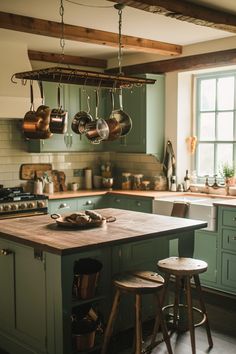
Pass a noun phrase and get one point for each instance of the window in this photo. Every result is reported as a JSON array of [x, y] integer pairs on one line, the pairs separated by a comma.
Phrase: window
[[215, 122]]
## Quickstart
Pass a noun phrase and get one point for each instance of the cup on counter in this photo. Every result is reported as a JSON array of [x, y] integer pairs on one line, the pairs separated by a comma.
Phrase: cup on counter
[[74, 186]]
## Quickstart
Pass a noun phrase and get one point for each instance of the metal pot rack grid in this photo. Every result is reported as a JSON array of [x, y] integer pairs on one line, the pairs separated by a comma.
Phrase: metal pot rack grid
[[82, 77]]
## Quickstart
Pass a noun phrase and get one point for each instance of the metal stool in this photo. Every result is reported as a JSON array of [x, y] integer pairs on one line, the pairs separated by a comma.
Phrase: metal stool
[[184, 269], [138, 283]]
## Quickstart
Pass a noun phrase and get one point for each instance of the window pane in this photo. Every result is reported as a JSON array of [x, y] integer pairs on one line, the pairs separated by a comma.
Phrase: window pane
[[207, 95], [225, 126], [224, 155], [207, 126], [205, 159], [225, 93]]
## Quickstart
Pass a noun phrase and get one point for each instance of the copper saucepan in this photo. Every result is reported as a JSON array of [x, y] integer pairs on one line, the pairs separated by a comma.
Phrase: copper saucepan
[[115, 130], [34, 125], [122, 117], [58, 117]]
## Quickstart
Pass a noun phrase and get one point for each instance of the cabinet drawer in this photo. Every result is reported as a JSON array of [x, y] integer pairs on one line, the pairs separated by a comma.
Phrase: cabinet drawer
[[229, 239], [142, 205], [228, 270], [229, 218], [62, 206]]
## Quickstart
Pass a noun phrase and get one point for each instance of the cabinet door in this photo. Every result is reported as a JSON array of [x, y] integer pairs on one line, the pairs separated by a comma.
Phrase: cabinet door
[[23, 295], [141, 204], [7, 286], [205, 248], [62, 206], [228, 271]]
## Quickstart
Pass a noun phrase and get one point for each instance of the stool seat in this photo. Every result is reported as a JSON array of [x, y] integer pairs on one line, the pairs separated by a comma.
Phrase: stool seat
[[138, 283], [145, 282], [182, 266]]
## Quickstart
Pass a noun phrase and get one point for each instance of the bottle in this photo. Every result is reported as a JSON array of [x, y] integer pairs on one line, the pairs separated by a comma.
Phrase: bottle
[[173, 186], [126, 181], [186, 181]]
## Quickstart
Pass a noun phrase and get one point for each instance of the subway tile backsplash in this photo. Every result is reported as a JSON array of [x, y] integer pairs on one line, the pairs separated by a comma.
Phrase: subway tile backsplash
[[13, 153]]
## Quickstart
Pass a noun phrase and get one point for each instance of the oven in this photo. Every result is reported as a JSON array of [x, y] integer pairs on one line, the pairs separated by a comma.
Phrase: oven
[[15, 203]]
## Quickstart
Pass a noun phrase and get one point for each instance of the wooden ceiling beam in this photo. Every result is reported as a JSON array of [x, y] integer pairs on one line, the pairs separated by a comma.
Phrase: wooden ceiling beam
[[83, 34], [186, 11], [66, 59], [191, 62]]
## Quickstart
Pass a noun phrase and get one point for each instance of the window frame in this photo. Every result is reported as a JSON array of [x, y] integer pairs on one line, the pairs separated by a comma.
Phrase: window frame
[[198, 79]]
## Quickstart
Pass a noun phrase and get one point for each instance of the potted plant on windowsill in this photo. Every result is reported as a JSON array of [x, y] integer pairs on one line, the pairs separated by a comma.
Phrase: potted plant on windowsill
[[228, 172]]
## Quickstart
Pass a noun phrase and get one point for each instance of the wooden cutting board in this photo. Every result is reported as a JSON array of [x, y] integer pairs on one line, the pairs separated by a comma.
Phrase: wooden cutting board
[[27, 171], [59, 181]]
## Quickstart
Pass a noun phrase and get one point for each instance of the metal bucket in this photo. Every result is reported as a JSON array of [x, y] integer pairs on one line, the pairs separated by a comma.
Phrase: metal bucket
[[86, 275]]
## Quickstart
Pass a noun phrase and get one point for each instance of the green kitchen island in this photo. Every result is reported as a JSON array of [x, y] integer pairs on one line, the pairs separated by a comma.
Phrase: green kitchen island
[[37, 263]]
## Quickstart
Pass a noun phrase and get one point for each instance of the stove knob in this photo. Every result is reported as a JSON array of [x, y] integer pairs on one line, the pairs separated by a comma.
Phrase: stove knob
[[23, 206], [31, 205], [6, 207], [41, 204], [14, 207]]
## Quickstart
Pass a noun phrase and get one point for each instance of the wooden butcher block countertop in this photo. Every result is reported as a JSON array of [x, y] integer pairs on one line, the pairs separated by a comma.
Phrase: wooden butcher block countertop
[[43, 232]]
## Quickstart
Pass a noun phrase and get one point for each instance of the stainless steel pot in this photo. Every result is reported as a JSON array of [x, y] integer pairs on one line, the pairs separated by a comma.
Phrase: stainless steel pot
[[122, 118], [58, 117], [97, 130], [81, 119]]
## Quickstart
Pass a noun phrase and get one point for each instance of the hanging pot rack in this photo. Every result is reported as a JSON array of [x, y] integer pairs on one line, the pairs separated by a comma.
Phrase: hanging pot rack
[[80, 77]]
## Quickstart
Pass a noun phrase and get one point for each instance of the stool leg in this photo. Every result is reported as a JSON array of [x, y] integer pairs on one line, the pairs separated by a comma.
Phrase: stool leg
[[163, 325], [203, 308], [190, 314], [157, 319], [176, 301], [138, 324], [111, 321]]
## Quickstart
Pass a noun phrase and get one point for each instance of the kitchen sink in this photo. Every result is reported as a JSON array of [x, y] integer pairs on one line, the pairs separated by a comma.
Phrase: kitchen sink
[[200, 208]]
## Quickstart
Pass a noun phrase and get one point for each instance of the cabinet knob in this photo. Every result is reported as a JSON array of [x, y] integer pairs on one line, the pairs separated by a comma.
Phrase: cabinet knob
[[63, 206], [5, 252], [89, 202], [234, 219], [138, 204], [117, 200], [234, 238]]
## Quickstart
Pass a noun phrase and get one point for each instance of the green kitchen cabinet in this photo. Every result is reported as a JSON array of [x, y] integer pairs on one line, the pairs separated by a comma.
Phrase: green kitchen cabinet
[[206, 249], [227, 251], [134, 203], [67, 205], [145, 106], [62, 206], [23, 296]]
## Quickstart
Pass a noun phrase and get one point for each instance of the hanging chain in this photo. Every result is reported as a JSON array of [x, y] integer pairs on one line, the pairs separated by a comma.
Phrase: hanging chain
[[62, 39], [120, 41]]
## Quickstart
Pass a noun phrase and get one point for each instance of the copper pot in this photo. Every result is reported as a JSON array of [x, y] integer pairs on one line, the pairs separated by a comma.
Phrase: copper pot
[[58, 117], [122, 117], [35, 123]]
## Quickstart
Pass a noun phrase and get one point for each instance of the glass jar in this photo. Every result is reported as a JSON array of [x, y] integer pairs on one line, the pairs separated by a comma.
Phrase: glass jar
[[146, 185], [126, 181], [137, 181]]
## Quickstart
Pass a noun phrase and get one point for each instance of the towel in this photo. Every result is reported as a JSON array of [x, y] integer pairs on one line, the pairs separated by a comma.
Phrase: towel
[[169, 163]]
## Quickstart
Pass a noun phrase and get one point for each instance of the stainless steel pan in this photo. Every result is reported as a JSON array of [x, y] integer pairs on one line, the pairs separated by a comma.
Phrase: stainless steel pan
[[122, 117]]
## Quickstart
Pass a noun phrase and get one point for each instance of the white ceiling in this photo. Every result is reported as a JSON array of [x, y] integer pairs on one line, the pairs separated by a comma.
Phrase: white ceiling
[[135, 22]]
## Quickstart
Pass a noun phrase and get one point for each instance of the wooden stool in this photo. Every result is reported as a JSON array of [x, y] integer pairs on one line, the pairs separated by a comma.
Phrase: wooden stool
[[138, 283], [184, 269]]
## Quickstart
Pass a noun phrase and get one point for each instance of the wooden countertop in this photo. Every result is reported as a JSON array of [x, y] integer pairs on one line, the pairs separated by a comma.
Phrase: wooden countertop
[[150, 194], [43, 232]]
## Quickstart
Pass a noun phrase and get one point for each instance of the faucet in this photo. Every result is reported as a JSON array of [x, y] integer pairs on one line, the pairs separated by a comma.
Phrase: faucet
[[215, 184]]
